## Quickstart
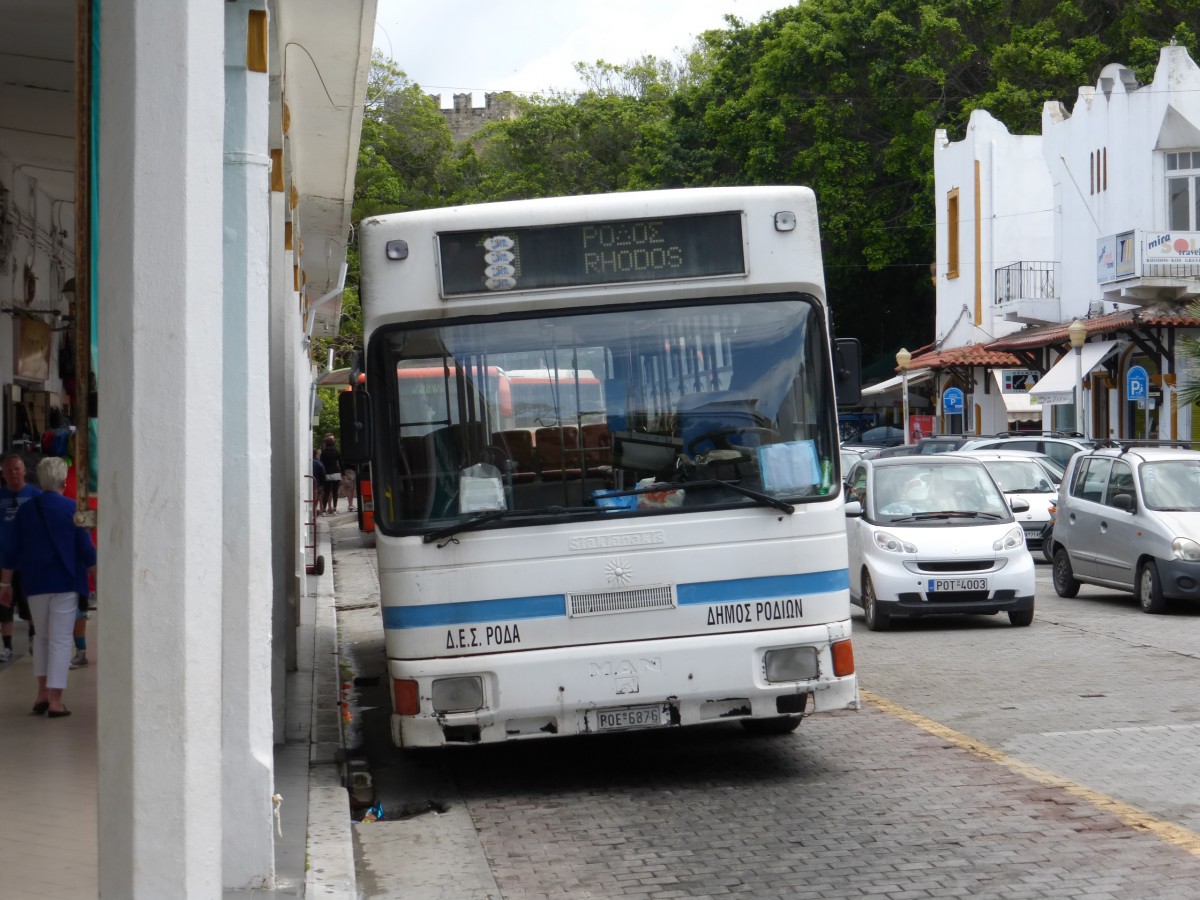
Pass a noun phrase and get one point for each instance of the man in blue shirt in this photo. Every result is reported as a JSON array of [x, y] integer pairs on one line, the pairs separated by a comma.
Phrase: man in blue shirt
[[13, 493]]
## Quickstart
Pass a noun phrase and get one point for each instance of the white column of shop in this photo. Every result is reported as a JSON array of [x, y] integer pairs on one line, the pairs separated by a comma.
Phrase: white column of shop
[[245, 472], [160, 306], [285, 487]]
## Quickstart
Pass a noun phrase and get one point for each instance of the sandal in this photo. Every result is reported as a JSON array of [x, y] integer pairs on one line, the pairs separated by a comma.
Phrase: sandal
[[57, 713], [40, 707]]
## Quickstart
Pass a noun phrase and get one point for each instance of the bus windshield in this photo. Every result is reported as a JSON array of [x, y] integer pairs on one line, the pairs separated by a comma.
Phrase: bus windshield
[[519, 418]]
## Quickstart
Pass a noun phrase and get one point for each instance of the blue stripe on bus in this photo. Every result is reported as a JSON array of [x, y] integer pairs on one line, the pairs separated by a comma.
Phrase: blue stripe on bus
[[759, 588], [469, 611], [555, 605]]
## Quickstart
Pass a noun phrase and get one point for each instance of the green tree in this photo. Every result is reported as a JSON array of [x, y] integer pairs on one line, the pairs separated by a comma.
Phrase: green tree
[[845, 95], [405, 148]]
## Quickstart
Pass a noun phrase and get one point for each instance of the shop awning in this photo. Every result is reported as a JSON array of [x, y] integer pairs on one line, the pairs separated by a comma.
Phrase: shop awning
[[1021, 407], [1059, 384], [895, 384]]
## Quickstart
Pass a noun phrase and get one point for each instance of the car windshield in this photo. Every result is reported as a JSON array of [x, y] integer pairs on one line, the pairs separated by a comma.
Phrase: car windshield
[[1171, 485], [1019, 476], [928, 492], [721, 402], [1053, 468]]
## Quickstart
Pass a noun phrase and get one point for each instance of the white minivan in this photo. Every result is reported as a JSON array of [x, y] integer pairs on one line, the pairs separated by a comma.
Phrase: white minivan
[[933, 536]]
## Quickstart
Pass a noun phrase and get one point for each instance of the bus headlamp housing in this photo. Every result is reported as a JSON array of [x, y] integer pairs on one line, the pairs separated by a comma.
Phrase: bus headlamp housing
[[460, 694], [791, 664]]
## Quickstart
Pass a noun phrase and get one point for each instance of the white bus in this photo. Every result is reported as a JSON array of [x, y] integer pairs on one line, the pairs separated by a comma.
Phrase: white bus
[[653, 537]]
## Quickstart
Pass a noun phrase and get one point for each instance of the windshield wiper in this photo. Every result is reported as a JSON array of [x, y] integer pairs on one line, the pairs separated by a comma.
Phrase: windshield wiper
[[948, 514], [450, 531], [766, 499]]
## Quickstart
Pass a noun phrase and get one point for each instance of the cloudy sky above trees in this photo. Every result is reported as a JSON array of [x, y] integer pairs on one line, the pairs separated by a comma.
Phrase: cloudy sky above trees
[[531, 46]]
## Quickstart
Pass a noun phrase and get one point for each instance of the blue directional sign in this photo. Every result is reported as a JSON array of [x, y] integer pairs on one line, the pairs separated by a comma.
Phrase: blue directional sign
[[952, 401], [1137, 384]]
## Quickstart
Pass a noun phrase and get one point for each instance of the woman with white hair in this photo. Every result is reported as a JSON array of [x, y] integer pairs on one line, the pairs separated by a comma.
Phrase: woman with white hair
[[54, 557]]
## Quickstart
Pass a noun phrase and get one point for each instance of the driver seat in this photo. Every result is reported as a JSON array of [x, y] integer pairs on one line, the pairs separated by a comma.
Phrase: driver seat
[[702, 414]]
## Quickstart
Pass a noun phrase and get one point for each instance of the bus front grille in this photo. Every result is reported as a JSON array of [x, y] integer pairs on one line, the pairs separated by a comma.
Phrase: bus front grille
[[598, 603]]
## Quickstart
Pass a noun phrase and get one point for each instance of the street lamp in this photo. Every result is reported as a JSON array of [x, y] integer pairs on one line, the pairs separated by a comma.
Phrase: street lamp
[[1078, 334], [903, 358]]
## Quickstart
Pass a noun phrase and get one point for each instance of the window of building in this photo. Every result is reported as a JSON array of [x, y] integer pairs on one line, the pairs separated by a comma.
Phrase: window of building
[[952, 232], [1183, 190]]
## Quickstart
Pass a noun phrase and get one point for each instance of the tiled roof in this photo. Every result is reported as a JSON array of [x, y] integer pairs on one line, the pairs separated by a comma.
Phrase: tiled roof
[[970, 355], [1049, 335]]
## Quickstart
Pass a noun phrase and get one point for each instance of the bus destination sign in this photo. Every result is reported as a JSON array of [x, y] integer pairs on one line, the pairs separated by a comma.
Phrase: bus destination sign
[[591, 253]]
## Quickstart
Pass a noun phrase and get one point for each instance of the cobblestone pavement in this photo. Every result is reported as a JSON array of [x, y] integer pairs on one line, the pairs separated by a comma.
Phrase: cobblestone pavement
[[1051, 761]]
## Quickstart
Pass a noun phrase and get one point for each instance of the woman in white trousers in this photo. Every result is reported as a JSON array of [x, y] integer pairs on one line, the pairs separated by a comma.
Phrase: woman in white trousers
[[55, 557]]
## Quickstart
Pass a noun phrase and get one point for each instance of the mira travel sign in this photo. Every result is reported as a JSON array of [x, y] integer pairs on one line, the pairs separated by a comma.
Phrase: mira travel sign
[[1171, 247]]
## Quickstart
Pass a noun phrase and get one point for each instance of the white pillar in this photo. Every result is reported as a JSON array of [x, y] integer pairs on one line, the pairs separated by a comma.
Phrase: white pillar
[[284, 522], [245, 471], [160, 538]]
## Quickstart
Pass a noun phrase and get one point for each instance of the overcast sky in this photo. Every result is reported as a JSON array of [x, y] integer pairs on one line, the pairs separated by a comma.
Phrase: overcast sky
[[531, 46]]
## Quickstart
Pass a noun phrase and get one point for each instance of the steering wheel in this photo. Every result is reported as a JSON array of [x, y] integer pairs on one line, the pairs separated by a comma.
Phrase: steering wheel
[[495, 455], [719, 438]]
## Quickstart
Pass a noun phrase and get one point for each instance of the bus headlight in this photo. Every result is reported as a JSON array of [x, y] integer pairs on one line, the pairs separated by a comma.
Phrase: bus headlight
[[791, 664], [461, 694]]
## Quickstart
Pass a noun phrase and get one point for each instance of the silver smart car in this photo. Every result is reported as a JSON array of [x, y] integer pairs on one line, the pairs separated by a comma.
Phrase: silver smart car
[[1129, 518]]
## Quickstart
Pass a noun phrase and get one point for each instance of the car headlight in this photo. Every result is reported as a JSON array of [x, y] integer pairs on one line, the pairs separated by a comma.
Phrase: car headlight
[[1186, 548], [1011, 541], [893, 544]]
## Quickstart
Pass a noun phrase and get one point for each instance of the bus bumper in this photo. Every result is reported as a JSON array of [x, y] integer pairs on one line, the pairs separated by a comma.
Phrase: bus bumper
[[634, 685]]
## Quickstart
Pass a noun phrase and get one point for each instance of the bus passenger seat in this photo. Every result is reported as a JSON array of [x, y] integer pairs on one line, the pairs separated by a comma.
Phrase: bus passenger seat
[[517, 443], [558, 449], [597, 446]]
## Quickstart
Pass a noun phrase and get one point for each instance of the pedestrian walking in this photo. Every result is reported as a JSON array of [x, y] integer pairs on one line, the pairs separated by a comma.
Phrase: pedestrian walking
[[54, 558], [13, 494], [331, 459]]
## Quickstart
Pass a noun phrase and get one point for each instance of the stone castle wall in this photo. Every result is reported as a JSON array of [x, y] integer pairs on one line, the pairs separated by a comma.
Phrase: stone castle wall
[[464, 119]]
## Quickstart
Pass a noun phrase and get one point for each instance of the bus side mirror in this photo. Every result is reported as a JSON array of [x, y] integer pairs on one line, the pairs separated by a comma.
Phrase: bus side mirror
[[847, 371], [354, 410]]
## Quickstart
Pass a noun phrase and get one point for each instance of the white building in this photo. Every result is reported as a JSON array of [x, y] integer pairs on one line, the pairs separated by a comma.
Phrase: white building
[[191, 182], [1094, 219]]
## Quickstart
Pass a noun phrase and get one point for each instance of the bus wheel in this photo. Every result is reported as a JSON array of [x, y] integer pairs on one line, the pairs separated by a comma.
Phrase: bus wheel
[[779, 725]]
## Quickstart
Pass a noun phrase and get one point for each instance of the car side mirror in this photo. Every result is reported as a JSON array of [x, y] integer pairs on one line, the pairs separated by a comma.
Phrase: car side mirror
[[854, 509], [1123, 502], [1018, 504]]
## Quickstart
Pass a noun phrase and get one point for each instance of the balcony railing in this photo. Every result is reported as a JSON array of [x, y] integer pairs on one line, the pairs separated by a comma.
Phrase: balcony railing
[[1027, 281]]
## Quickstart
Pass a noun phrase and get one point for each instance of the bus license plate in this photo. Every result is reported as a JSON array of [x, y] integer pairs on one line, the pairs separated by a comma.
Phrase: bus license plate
[[630, 717], [957, 584]]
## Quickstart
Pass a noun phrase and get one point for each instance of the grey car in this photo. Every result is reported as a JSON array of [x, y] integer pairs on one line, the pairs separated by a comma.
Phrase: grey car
[[1129, 518], [1059, 447]]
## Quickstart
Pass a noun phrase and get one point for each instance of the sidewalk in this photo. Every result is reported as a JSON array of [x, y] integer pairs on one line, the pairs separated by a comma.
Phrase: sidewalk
[[49, 772]]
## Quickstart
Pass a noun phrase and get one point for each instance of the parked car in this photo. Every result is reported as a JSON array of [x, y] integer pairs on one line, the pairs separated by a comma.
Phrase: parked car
[[1031, 476], [1129, 518], [898, 450], [942, 443], [934, 535], [1058, 445], [881, 436], [849, 456], [863, 451]]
